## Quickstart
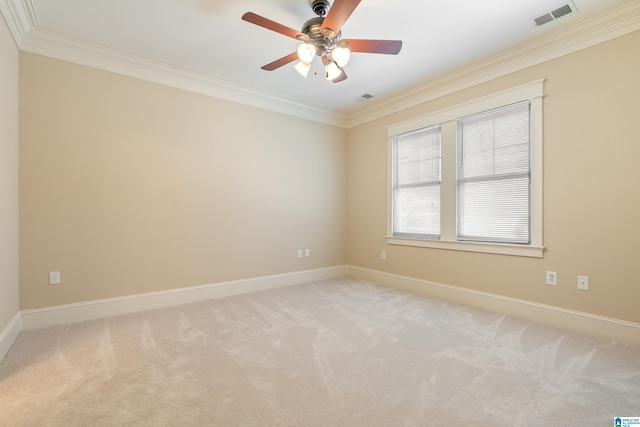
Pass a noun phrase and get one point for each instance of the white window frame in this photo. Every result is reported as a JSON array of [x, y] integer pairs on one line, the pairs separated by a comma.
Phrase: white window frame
[[446, 118]]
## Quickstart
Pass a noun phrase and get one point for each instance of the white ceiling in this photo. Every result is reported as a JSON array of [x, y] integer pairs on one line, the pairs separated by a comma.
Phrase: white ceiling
[[207, 38]]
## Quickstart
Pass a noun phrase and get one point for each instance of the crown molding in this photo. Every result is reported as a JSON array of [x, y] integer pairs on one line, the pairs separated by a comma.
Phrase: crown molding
[[20, 17], [614, 22], [30, 37], [59, 46]]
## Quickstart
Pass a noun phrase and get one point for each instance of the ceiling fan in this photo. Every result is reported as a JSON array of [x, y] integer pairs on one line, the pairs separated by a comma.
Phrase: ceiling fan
[[321, 36]]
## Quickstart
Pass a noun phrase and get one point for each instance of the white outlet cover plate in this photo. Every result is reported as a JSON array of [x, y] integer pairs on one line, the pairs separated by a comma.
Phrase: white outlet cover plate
[[54, 278], [583, 283]]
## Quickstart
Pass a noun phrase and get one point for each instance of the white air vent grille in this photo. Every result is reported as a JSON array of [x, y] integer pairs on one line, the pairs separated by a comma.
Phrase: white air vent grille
[[364, 97], [561, 11], [543, 19], [554, 14]]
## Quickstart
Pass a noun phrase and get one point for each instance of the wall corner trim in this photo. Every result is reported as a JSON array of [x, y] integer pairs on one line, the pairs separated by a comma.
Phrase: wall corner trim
[[591, 324], [9, 335], [97, 309]]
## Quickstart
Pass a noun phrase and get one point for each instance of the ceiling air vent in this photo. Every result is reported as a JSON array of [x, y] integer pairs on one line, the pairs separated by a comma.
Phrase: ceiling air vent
[[363, 98], [554, 14]]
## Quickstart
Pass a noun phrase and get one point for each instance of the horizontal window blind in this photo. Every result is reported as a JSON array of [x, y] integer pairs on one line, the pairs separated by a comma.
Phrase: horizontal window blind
[[416, 183], [493, 175]]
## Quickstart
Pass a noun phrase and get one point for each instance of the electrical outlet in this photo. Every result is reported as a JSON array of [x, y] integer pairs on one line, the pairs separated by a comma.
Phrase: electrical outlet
[[54, 277], [299, 253], [583, 283], [383, 255], [552, 278]]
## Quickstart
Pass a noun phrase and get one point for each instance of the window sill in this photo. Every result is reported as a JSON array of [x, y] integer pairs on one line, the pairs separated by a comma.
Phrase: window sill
[[489, 248]]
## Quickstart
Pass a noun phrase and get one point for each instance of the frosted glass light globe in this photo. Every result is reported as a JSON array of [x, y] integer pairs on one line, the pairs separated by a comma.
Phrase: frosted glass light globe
[[306, 52]]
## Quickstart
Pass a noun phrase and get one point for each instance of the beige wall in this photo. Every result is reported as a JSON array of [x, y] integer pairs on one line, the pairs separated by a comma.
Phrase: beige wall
[[8, 176], [130, 187], [591, 190]]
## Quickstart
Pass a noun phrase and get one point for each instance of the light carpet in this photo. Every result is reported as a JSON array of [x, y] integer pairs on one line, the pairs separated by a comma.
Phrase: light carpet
[[341, 352]]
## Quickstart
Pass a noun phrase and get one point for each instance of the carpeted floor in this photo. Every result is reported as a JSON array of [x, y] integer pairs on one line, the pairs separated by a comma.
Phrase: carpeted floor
[[342, 352]]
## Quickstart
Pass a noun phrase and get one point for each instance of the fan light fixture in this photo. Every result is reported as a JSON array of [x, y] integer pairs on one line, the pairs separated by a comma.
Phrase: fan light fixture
[[303, 68], [341, 54], [332, 70], [306, 52], [334, 57]]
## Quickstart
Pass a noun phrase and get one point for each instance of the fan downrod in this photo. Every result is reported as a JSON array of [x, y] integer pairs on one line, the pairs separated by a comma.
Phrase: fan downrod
[[320, 7]]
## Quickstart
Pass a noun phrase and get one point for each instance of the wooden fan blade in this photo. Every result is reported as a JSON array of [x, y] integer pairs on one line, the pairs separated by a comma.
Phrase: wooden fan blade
[[280, 62], [272, 25], [338, 14], [389, 47], [341, 77]]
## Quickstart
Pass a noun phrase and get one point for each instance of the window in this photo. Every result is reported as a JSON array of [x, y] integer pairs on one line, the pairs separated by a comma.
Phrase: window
[[470, 177], [416, 183], [493, 176]]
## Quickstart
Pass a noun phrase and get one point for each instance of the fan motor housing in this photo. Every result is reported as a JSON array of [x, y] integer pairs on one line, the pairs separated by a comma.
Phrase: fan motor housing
[[312, 29]]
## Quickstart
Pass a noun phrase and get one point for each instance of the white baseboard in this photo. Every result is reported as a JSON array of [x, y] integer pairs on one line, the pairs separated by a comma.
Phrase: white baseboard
[[591, 324], [9, 335], [611, 328], [89, 310]]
